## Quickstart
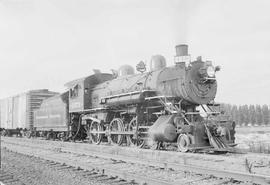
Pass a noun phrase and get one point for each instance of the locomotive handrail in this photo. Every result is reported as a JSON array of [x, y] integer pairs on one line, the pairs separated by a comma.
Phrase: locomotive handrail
[[153, 107], [126, 94], [191, 113], [212, 112], [213, 104], [157, 97], [93, 110]]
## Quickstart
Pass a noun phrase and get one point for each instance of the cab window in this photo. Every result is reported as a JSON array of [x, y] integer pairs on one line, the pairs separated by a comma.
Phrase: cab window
[[74, 91]]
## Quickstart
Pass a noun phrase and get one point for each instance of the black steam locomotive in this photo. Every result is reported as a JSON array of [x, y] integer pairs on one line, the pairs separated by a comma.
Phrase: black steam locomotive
[[164, 106]]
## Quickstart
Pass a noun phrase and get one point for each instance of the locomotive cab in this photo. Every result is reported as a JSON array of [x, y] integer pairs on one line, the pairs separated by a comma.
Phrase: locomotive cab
[[80, 91]]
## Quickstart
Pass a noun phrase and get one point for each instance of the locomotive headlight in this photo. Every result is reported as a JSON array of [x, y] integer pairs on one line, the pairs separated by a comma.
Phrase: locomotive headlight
[[210, 71]]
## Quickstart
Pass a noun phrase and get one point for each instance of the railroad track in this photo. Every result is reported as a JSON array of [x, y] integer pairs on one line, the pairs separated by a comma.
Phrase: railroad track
[[93, 174], [136, 170], [117, 170]]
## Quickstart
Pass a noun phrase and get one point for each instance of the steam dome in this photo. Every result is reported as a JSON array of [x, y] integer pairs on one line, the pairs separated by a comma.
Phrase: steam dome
[[125, 70], [157, 62]]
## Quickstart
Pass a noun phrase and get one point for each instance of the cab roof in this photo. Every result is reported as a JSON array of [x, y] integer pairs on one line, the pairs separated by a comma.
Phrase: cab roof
[[99, 77]]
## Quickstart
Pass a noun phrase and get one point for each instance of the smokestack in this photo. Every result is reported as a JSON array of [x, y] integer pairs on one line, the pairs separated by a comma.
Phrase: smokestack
[[181, 50], [182, 57]]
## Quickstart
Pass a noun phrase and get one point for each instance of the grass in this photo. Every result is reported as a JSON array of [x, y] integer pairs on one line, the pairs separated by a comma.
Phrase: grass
[[257, 142], [259, 147]]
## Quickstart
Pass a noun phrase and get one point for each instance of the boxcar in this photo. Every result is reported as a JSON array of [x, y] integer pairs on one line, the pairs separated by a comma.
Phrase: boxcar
[[51, 119], [16, 112]]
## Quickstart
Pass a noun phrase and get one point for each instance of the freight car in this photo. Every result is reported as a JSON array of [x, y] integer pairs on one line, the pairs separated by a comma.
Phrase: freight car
[[157, 107], [16, 112]]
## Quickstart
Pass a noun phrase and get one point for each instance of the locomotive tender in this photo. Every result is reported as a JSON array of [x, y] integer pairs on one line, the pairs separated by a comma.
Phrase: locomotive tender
[[157, 108]]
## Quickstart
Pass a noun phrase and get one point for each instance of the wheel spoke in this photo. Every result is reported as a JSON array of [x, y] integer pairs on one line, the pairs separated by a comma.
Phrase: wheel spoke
[[93, 136], [133, 141], [116, 125]]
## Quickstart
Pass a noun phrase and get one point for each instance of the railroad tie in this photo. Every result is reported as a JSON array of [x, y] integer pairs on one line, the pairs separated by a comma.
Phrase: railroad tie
[[105, 178], [10, 181], [6, 178], [4, 175]]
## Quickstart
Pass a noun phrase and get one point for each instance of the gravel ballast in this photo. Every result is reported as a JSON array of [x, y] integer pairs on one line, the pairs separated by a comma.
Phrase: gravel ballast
[[19, 169]]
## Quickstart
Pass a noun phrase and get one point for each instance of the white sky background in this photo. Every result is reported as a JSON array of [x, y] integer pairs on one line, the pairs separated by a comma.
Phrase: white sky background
[[46, 43]]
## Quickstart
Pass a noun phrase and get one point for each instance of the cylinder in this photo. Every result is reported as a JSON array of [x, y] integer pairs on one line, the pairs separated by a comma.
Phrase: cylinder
[[164, 132], [163, 129], [181, 50]]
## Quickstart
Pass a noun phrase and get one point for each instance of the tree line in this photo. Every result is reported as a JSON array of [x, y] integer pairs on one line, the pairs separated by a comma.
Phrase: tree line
[[247, 114]]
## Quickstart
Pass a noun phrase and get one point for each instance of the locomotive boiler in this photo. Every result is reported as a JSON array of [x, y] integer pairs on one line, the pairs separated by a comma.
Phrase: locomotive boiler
[[155, 108]]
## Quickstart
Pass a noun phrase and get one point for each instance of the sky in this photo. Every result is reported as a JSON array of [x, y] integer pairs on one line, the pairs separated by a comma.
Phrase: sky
[[46, 43]]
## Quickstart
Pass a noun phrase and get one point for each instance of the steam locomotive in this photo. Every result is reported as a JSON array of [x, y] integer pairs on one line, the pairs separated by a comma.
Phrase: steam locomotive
[[166, 106]]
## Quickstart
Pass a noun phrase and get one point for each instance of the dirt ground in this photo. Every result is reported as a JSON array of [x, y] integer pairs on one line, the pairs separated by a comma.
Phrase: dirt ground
[[18, 169]]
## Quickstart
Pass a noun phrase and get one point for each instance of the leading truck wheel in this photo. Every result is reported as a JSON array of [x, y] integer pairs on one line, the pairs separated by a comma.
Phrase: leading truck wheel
[[95, 136], [183, 142], [28, 134], [4, 132]]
